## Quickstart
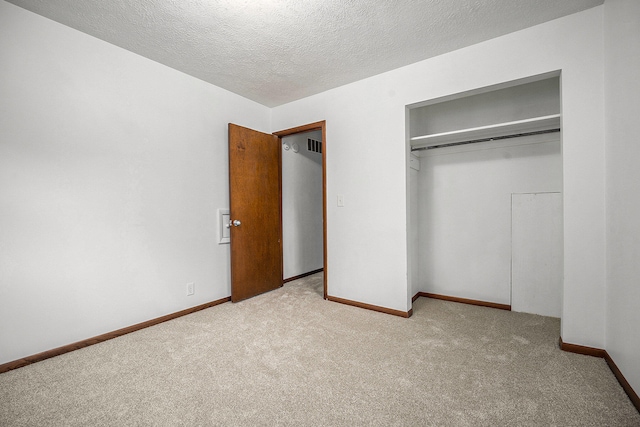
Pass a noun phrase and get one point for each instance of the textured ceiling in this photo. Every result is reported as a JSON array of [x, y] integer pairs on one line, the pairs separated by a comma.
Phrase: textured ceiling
[[276, 51]]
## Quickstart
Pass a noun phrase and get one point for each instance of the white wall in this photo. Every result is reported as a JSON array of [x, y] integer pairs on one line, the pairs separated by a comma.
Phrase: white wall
[[622, 59], [301, 206], [464, 206], [367, 248], [111, 170], [523, 101]]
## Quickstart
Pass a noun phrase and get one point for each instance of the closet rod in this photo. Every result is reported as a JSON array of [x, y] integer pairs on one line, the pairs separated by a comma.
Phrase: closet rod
[[495, 138]]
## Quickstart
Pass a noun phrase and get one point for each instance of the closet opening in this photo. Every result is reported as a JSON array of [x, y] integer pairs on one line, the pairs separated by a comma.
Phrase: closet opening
[[485, 196]]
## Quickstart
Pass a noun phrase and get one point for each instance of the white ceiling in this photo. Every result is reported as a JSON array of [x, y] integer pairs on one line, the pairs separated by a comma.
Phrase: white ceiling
[[276, 51]]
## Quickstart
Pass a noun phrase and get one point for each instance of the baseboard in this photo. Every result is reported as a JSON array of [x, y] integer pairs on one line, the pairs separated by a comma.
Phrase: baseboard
[[633, 396], [462, 300], [104, 337], [371, 307], [598, 352], [300, 276], [580, 349]]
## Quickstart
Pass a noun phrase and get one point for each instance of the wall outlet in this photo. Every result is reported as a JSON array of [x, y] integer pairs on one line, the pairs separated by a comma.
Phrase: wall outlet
[[191, 288]]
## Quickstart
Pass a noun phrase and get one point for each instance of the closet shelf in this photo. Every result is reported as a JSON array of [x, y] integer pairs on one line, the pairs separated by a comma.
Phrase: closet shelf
[[534, 124]]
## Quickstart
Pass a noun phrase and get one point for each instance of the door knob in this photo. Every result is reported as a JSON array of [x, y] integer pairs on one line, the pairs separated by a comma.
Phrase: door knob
[[235, 223]]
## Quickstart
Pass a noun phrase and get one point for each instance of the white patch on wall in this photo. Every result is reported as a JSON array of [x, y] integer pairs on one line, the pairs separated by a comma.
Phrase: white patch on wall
[[536, 253]]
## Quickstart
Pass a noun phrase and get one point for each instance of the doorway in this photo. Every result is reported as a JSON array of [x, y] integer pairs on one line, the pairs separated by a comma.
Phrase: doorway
[[302, 246], [302, 143], [255, 198]]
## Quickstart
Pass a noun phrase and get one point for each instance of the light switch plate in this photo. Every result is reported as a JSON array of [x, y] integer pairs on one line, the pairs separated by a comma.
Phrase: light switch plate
[[224, 233]]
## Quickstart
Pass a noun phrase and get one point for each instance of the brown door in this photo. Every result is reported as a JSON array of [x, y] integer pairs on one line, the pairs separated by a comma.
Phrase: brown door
[[255, 210]]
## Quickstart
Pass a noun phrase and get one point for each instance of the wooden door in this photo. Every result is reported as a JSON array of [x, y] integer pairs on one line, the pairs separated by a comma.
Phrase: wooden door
[[255, 203]]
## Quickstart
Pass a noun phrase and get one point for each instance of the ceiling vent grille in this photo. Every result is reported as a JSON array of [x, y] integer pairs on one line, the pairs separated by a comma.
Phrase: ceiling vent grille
[[313, 145]]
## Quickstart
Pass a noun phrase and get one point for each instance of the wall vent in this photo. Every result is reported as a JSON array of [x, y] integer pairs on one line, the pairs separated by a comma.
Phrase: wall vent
[[313, 145]]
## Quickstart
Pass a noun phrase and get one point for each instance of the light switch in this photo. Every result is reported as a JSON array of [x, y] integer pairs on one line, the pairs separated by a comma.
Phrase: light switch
[[340, 201]]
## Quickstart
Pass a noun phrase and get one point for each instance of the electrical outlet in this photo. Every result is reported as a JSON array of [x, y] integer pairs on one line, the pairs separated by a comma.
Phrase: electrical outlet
[[191, 288]]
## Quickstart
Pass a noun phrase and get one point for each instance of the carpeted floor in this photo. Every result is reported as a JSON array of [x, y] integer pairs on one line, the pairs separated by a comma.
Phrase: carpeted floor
[[290, 358]]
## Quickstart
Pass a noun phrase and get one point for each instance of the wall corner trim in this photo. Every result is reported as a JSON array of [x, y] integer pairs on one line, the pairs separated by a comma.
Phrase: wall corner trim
[[580, 349], [385, 310], [462, 300], [104, 337], [598, 352], [301, 276]]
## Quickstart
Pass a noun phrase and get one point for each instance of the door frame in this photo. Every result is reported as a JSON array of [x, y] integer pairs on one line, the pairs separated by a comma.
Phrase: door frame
[[321, 125]]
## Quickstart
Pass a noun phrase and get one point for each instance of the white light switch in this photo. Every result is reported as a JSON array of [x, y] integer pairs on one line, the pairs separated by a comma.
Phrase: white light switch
[[340, 201]]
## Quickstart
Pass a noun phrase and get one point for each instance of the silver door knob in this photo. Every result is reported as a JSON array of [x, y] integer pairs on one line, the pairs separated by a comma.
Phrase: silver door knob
[[235, 223]]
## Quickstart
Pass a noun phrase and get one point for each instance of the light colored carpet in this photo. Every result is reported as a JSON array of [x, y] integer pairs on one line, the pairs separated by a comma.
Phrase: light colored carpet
[[290, 358]]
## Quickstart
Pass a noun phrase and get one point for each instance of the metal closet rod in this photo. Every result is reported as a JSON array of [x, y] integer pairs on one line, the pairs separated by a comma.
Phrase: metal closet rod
[[494, 138]]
